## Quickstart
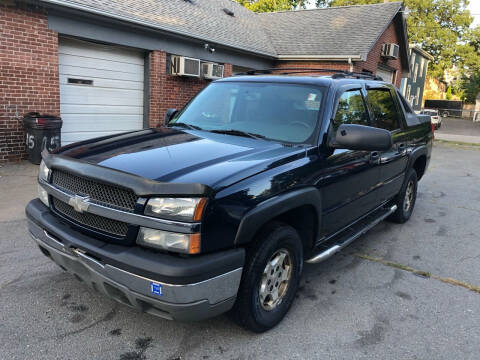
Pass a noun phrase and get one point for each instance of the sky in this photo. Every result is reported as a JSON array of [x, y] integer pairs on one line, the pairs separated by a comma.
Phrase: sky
[[474, 8]]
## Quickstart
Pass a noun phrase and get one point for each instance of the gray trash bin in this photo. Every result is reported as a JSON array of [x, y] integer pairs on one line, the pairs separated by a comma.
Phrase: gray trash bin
[[41, 131]]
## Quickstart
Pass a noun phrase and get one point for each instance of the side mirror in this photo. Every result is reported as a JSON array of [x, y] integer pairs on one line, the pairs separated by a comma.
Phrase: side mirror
[[169, 114], [359, 137]]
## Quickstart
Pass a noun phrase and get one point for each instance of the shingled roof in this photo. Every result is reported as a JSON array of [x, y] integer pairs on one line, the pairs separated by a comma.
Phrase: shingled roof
[[330, 32], [199, 19], [336, 31]]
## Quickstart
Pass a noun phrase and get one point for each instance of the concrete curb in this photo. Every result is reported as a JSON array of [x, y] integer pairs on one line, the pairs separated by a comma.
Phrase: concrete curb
[[460, 138]]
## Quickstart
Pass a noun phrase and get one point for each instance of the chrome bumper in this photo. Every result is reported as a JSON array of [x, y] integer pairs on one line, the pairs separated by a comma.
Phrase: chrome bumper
[[188, 302]]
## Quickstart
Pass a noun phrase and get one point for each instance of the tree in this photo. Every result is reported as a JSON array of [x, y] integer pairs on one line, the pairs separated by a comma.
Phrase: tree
[[449, 93], [440, 27], [469, 53], [470, 86], [272, 5]]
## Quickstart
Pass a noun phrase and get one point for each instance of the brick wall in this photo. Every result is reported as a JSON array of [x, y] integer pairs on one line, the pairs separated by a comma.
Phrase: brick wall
[[28, 73], [334, 65], [374, 58], [169, 91]]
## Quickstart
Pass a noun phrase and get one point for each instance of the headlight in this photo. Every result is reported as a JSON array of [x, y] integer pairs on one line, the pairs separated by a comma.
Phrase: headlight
[[183, 243], [43, 195], [43, 172], [180, 209]]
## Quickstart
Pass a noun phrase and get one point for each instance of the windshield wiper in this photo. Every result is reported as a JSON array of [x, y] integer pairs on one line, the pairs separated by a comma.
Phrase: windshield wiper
[[187, 126], [238, 133]]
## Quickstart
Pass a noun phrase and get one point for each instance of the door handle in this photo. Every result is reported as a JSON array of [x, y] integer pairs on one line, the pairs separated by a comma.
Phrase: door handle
[[374, 157]]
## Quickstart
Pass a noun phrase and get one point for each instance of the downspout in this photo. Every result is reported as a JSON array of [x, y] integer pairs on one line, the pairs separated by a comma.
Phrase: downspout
[[351, 64]]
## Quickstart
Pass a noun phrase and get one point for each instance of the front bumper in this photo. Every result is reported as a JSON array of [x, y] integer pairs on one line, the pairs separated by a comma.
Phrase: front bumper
[[93, 263]]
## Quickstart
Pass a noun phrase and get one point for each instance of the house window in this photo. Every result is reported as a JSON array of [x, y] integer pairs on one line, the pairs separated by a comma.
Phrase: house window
[[415, 73], [422, 66], [409, 89], [417, 98], [412, 61]]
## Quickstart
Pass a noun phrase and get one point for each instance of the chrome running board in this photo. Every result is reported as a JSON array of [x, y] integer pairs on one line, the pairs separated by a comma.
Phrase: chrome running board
[[351, 234]]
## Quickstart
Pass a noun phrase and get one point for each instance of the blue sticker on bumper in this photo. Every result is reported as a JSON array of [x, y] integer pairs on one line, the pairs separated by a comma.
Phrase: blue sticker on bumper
[[156, 288]]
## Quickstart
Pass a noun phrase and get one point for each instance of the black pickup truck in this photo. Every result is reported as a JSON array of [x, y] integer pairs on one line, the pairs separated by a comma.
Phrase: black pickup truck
[[219, 209]]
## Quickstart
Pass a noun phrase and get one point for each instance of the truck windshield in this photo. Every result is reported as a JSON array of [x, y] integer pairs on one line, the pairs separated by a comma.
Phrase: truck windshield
[[274, 111]]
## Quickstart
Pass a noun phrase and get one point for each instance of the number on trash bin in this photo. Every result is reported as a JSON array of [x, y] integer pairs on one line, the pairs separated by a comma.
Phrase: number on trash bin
[[30, 141]]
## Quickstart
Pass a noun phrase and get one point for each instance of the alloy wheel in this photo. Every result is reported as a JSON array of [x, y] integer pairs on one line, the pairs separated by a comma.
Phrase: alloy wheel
[[275, 279], [409, 193]]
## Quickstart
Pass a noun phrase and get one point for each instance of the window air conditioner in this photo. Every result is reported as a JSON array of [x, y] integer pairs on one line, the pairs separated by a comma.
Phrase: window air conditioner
[[184, 66], [390, 51], [212, 71]]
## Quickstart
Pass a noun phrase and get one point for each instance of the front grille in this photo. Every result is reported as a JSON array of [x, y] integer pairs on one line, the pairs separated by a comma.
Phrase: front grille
[[99, 193], [100, 223]]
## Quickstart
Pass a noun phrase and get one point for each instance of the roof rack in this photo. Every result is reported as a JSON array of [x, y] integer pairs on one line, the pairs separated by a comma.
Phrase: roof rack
[[338, 74]]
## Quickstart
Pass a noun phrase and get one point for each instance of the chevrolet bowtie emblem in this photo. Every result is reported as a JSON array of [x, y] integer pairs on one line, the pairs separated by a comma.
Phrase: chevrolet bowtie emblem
[[79, 203]]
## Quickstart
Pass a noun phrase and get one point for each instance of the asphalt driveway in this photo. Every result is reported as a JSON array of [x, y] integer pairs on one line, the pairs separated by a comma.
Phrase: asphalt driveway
[[399, 292], [460, 130]]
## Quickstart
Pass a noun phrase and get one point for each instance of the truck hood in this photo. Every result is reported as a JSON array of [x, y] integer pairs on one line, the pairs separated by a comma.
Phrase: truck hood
[[190, 156]]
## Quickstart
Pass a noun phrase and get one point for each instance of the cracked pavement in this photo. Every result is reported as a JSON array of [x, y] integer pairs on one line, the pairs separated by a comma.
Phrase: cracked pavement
[[347, 307]]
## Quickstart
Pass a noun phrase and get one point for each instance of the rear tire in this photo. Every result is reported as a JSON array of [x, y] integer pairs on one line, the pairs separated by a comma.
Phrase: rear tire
[[405, 199], [270, 278]]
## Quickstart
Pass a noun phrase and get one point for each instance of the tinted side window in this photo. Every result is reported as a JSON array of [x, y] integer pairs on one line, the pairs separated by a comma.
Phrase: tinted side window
[[405, 103], [351, 110], [383, 107]]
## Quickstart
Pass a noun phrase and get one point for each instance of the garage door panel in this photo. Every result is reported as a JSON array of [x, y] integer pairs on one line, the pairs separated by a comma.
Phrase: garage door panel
[[99, 51], [67, 109], [84, 95], [76, 71], [113, 103], [103, 83], [90, 63], [80, 122]]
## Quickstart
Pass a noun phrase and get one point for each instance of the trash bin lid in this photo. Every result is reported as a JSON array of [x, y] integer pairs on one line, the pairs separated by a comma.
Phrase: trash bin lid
[[37, 120]]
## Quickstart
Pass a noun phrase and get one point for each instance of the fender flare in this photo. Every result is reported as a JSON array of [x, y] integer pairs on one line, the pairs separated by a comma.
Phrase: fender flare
[[415, 154], [275, 206]]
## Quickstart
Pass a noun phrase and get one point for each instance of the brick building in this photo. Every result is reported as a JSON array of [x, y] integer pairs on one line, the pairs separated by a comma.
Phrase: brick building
[[106, 66]]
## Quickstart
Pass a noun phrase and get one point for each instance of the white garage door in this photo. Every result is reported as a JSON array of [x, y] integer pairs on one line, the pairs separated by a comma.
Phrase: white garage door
[[101, 90], [386, 75]]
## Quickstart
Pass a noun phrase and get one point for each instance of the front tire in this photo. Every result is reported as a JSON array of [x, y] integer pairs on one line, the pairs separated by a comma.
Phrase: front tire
[[406, 198], [270, 278]]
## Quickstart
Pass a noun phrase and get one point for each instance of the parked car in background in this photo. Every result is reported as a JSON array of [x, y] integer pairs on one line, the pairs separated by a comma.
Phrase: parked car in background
[[434, 117]]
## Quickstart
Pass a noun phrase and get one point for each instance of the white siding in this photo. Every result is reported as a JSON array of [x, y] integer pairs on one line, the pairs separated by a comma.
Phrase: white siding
[[112, 103]]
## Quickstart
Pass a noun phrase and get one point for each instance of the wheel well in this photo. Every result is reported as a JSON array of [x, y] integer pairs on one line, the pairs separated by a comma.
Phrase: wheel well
[[419, 165], [304, 220]]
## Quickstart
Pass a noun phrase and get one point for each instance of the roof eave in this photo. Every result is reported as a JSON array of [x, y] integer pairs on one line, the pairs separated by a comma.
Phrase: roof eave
[[320, 57], [404, 36], [127, 20], [421, 51]]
